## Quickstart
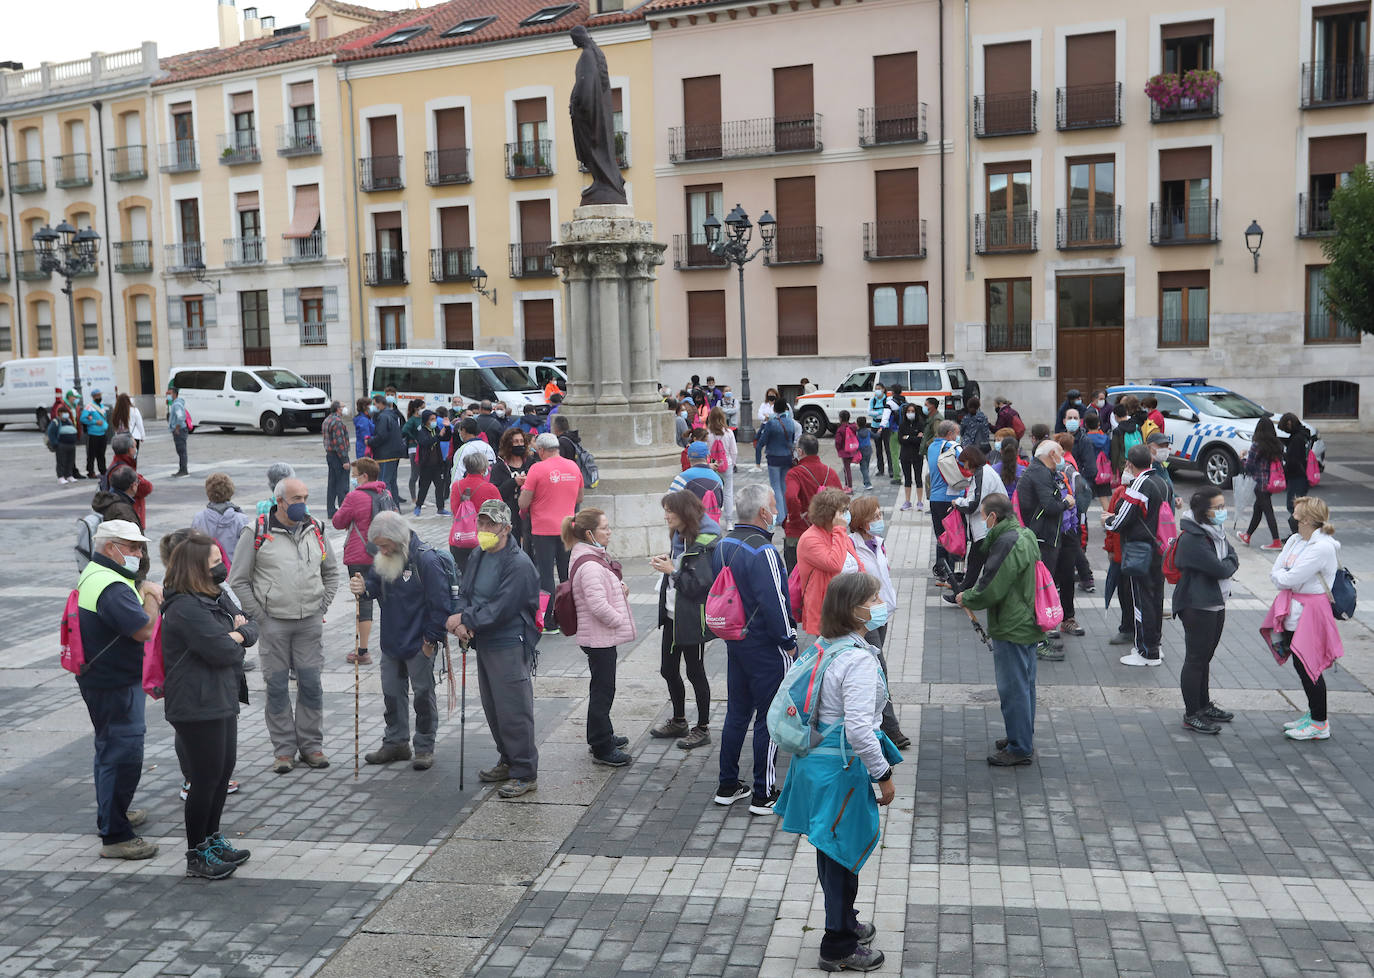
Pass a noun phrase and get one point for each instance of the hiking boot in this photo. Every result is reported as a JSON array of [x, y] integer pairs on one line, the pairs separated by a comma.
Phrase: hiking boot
[[866, 933], [669, 728], [864, 958], [517, 787], [1005, 758], [315, 759], [283, 764], [950, 598], [1123, 638], [616, 758], [763, 804], [1072, 627], [1001, 743], [1054, 635], [134, 848], [1046, 652], [616, 742], [422, 762], [1301, 721], [1198, 723], [695, 738], [1217, 715], [227, 852], [136, 817], [1136, 659], [728, 794], [498, 772], [1312, 730], [388, 753], [205, 862], [180, 474]]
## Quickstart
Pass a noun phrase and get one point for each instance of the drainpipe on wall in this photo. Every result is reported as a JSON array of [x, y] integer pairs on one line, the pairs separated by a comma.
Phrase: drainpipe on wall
[[968, 153], [357, 228], [109, 245], [944, 282], [14, 249]]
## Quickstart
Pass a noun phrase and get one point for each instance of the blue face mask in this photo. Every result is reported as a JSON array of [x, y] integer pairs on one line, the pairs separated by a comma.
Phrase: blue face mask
[[877, 528], [1219, 517], [877, 616], [353, 482], [844, 517], [296, 512], [1062, 466], [1071, 424]]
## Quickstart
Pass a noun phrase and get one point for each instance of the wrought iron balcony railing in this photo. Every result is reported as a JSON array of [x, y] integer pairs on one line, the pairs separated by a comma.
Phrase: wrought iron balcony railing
[[743, 138], [384, 268], [1011, 114], [72, 170], [1079, 227], [446, 166], [376, 173], [178, 156], [244, 251], [1184, 224], [133, 256], [894, 239], [127, 163], [531, 158], [1005, 232], [1087, 106], [451, 264], [299, 138], [690, 252], [531, 259], [902, 123]]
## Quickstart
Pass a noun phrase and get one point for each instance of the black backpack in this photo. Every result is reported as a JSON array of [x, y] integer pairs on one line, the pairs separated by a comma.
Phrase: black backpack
[[381, 503]]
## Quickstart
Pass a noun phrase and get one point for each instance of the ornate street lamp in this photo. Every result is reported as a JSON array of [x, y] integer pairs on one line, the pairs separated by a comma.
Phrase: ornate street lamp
[[478, 278], [733, 246], [68, 252], [1254, 234]]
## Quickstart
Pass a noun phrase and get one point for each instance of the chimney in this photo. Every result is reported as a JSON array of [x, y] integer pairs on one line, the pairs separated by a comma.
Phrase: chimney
[[252, 27], [269, 26], [228, 24]]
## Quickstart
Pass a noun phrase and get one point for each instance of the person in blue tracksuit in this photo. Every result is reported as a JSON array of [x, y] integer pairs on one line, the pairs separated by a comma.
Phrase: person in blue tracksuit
[[757, 662], [776, 438]]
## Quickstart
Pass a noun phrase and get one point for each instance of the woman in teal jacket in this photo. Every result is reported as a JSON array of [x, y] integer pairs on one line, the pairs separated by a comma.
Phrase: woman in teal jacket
[[829, 798]]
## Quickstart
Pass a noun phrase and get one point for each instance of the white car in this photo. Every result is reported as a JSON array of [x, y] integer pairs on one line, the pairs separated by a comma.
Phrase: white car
[[1209, 427], [238, 396], [819, 411], [544, 371]]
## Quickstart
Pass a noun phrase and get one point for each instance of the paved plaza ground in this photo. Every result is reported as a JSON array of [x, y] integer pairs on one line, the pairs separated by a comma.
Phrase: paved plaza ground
[[1129, 847]]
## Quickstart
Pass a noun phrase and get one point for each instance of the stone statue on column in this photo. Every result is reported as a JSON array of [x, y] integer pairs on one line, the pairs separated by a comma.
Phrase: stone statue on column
[[593, 123]]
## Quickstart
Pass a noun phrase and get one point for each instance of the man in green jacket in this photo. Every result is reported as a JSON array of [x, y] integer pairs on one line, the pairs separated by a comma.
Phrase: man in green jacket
[[1007, 590]]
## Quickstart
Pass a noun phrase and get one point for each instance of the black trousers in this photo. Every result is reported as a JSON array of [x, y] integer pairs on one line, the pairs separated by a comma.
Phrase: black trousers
[[1201, 634], [1297, 488], [1316, 692], [1264, 509], [1059, 561], [841, 890], [882, 449], [938, 510], [460, 559], [432, 474], [1124, 598], [600, 699], [1148, 597], [364, 603], [337, 486], [670, 668], [95, 453], [66, 461], [208, 750], [549, 553], [911, 469]]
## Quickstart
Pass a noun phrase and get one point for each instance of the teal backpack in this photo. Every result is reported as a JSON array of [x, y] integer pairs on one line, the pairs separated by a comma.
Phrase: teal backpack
[[794, 716]]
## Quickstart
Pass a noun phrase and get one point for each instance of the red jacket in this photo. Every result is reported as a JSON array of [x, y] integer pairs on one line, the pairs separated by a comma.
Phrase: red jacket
[[804, 480], [820, 559], [355, 515], [482, 490]]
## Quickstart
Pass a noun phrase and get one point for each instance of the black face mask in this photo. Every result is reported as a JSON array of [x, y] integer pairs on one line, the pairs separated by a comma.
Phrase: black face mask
[[518, 451], [219, 573]]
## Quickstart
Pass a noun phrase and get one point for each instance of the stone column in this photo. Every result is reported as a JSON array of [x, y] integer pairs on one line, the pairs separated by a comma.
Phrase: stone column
[[643, 338], [607, 265], [581, 392]]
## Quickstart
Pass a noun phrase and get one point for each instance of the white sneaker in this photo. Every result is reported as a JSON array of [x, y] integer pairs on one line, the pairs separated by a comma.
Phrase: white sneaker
[[1311, 731], [62, 480], [1136, 659], [1301, 721]]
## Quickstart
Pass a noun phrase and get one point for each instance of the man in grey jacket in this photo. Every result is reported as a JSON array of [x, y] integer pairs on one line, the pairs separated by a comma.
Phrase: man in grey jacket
[[285, 575]]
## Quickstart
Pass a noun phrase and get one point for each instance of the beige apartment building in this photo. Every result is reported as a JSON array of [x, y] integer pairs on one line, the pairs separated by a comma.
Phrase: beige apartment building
[[1099, 235], [75, 138]]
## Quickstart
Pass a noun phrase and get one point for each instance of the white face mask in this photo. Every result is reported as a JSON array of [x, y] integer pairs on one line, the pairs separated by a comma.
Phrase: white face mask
[[131, 563], [1161, 454]]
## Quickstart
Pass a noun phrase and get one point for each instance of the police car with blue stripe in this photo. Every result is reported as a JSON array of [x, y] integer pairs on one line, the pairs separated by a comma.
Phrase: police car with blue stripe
[[1209, 427]]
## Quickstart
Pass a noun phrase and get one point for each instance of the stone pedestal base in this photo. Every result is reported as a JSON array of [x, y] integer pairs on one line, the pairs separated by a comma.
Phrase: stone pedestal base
[[638, 459]]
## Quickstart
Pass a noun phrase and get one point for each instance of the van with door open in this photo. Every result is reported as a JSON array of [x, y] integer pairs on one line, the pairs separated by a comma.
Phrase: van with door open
[[29, 387], [236, 396], [445, 377]]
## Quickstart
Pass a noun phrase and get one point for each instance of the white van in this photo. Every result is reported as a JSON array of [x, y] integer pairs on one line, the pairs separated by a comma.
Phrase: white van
[[29, 387], [234, 396], [442, 377], [544, 371]]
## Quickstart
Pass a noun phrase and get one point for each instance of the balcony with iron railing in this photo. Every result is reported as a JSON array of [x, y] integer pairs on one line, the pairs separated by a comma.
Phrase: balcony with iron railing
[[28, 267], [1079, 227], [185, 256], [1006, 232], [799, 245], [743, 138], [299, 138], [447, 166], [133, 256], [1010, 114], [1087, 106], [178, 156], [1184, 224], [1188, 108], [884, 240], [451, 264], [384, 268], [901, 123], [1314, 216], [26, 177], [377, 173], [244, 251], [1009, 337], [622, 152], [127, 163], [307, 249], [238, 147], [1330, 83], [72, 170], [691, 253], [531, 158], [532, 259], [705, 346], [4, 266]]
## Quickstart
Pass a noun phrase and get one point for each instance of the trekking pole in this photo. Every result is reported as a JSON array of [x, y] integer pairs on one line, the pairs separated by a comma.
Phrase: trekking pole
[[463, 715], [357, 644], [977, 627]]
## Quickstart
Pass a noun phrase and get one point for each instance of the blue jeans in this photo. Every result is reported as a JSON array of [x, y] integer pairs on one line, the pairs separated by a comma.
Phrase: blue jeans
[[117, 716], [752, 678], [338, 482], [1014, 666], [777, 478], [841, 890], [388, 475]]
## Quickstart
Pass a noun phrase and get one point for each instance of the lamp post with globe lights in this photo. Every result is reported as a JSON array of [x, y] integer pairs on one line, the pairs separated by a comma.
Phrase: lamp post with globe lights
[[733, 246], [68, 252]]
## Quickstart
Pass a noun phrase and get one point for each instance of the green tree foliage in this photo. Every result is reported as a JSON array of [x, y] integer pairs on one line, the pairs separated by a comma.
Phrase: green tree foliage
[[1350, 251]]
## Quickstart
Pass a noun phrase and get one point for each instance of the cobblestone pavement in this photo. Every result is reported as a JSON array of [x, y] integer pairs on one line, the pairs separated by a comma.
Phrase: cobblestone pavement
[[1130, 847]]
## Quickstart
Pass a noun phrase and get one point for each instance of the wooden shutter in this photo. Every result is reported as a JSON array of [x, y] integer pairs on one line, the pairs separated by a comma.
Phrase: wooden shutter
[[1184, 280], [534, 221], [453, 227], [896, 193], [1193, 163], [894, 79], [617, 100], [302, 94], [797, 321], [706, 324], [449, 129], [1007, 68], [701, 101], [382, 133], [793, 92], [530, 111], [458, 325], [1186, 28], [795, 201], [241, 102], [538, 317], [246, 201], [1335, 154], [1091, 59], [290, 305], [387, 221]]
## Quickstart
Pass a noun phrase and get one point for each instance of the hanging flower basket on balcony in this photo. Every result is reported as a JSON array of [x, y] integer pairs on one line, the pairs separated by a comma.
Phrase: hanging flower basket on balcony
[[1196, 86]]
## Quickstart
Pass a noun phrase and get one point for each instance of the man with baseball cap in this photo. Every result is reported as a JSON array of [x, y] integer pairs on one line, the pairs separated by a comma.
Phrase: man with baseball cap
[[701, 479], [495, 611], [116, 617], [1160, 451]]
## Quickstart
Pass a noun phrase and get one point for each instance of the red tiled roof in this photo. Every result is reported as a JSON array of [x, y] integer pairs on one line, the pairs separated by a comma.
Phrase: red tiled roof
[[355, 10], [506, 26]]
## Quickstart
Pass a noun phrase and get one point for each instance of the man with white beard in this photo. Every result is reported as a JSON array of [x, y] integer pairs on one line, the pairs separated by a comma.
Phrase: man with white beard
[[410, 583]]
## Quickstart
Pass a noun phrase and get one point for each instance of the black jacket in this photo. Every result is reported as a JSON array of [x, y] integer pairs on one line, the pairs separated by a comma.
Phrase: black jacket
[[569, 443], [1118, 442], [975, 430], [429, 454], [1041, 505], [1137, 518], [204, 666], [386, 442], [1085, 454], [491, 426], [691, 582], [1200, 568], [909, 434], [519, 599], [1295, 458]]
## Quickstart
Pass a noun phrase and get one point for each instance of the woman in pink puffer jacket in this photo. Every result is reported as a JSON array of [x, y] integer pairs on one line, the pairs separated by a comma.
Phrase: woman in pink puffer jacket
[[604, 621]]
